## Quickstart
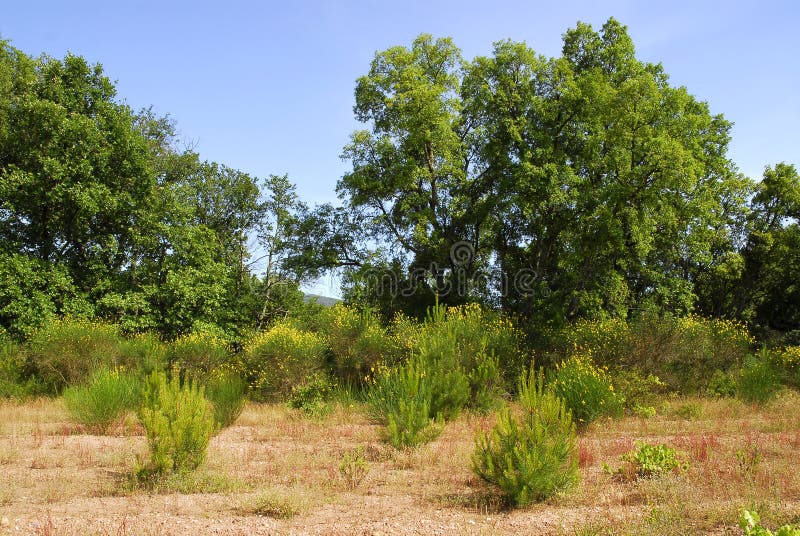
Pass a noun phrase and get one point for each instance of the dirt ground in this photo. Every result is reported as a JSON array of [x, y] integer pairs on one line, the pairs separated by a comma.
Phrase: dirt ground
[[277, 472]]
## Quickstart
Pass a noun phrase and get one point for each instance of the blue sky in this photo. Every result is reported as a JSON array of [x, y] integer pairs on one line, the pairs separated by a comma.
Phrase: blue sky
[[267, 87]]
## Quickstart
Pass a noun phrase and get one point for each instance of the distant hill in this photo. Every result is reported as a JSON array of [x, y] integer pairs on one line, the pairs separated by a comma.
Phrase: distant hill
[[322, 300]]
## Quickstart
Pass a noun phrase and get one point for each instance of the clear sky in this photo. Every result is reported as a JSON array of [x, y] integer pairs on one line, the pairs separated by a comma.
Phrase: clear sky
[[267, 87]]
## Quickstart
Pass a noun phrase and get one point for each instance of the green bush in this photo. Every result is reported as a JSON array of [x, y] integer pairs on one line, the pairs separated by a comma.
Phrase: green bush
[[639, 390], [144, 353], [649, 461], [787, 360], [199, 352], [12, 368], [280, 358], [403, 399], [750, 523], [65, 352], [311, 396], [358, 342], [226, 392], [178, 422], [721, 384], [587, 390], [759, 380], [531, 456], [103, 399]]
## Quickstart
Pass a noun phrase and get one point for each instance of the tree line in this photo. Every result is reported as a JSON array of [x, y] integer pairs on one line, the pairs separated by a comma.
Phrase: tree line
[[611, 189]]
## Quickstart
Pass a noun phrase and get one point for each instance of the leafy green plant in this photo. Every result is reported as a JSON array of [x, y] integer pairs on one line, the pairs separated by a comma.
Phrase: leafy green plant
[[721, 384], [178, 422], [103, 399], [587, 390], [226, 392], [759, 380], [311, 397], [689, 411], [280, 358], [66, 351], [650, 461], [353, 468], [532, 455], [750, 523]]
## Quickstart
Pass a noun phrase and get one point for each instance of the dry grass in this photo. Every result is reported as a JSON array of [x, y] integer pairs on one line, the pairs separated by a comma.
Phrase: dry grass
[[275, 471]]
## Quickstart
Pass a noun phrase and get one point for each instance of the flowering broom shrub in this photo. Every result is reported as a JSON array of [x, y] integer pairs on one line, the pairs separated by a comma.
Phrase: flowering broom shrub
[[587, 390], [276, 360]]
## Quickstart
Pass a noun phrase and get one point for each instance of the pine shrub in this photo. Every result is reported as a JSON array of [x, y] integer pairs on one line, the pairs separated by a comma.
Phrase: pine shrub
[[529, 456], [178, 422]]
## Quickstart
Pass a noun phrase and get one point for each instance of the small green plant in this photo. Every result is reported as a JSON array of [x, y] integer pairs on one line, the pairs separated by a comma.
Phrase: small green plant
[[586, 389], [749, 458], [532, 455], [226, 392], [643, 412], [750, 523], [103, 400], [311, 397], [275, 504], [178, 422], [759, 380], [650, 461], [353, 467]]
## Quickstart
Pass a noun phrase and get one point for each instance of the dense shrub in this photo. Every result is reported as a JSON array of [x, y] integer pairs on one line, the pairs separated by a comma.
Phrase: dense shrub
[[143, 352], [178, 422], [532, 455], [311, 396], [226, 392], [12, 368], [358, 342], [683, 352], [107, 396], [587, 390], [759, 380], [199, 352], [66, 351], [638, 390], [276, 360], [402, 398], [787, 360]]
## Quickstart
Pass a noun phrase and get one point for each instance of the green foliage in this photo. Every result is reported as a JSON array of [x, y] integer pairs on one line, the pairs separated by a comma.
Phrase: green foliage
[[403, 398], [226, 392], [66, 351], [531, 456], [587, 390], [651, 461], [637, 389], [280, 358], [12, 368], [759, 380], [143, 352], [689, 411], [311, 396], [750, 523], [722, 384], [106, 396], [199, 352], [178, 422], [357, 341]]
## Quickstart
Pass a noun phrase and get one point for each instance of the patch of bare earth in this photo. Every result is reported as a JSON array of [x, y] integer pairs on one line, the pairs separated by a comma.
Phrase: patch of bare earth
[[276, 472]]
